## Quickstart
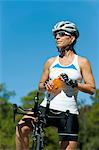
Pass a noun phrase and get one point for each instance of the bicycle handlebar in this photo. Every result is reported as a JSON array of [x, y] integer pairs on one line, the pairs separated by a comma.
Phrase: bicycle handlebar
[[35, 110], [20, 110]]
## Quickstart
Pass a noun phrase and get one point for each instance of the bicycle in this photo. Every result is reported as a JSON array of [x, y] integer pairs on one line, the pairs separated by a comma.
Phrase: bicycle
[[38, 126]]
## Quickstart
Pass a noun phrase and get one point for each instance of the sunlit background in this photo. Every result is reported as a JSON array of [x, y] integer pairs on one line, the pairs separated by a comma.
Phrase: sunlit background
[[26, 39]]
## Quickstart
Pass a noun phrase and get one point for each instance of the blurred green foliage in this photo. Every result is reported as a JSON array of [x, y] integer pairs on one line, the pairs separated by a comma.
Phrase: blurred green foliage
[[88, 119]]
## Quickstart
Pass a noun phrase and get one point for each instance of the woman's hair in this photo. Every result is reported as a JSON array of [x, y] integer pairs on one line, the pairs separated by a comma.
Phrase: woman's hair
[[72, 46]]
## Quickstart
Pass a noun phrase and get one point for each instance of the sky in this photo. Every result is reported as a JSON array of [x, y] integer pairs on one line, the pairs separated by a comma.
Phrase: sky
[[26, 39]]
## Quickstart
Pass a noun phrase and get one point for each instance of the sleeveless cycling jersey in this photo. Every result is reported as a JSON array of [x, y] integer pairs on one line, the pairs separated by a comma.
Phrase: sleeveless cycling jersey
[[66, 99]]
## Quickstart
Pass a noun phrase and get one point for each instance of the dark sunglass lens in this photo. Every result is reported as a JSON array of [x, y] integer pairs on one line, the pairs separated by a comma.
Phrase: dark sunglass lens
[[54, 34], [61, 33]]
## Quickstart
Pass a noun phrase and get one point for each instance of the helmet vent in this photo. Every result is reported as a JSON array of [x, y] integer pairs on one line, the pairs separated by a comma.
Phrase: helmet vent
[[62, 25]]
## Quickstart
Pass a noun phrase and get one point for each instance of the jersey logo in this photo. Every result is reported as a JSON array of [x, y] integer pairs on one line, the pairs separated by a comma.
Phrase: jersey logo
[[65, 67]]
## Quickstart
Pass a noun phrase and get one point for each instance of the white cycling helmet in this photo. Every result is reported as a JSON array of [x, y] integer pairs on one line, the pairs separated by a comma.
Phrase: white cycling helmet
[[67, 26]]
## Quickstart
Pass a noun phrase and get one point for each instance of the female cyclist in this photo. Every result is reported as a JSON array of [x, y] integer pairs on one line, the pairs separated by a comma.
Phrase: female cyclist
[[70, 69]]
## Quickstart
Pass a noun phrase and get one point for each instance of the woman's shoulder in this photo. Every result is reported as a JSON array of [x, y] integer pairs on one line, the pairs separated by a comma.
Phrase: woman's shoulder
[[51, 60], [83, 61]]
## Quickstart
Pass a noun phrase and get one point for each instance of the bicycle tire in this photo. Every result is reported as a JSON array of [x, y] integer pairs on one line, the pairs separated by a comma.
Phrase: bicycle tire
[[34, 145], [37, 143]]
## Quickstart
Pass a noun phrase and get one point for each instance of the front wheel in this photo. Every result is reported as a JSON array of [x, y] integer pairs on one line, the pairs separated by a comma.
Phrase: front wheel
[[38, 143]]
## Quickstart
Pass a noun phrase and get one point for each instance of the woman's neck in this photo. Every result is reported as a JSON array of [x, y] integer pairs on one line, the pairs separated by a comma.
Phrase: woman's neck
[[66, 53]]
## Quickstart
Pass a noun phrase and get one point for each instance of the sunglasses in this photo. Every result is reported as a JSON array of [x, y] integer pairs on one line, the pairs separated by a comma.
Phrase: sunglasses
[[60, 33]]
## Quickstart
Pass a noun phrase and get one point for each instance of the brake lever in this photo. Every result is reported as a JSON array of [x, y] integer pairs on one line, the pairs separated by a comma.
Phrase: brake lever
[[25, 110]]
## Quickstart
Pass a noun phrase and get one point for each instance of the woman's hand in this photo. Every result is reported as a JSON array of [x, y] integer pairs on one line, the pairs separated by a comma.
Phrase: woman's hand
[[73, 83], [54, 86]]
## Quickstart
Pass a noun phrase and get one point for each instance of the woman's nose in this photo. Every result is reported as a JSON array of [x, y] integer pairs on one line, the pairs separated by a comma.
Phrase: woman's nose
[[57, 36]]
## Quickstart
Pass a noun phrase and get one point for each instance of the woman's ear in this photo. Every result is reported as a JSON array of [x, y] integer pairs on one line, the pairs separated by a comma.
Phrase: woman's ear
[[72, 39]]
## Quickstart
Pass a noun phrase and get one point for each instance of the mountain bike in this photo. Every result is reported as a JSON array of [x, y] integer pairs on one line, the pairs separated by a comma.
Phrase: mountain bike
[[37, 126]]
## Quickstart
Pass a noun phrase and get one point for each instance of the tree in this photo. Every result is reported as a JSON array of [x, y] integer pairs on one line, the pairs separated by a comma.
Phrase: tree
[[95, 98], [89, 124], [6, 119]]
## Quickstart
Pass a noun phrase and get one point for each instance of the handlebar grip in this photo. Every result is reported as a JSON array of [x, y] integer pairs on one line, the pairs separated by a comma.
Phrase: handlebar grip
[[14, 111], [38, 95]]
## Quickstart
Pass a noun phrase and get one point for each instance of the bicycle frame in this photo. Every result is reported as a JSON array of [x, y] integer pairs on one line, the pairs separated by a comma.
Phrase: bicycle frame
[[38, 130]]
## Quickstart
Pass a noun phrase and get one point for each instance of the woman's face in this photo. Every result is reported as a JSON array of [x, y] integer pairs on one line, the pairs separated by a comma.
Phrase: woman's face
[[63, 40]]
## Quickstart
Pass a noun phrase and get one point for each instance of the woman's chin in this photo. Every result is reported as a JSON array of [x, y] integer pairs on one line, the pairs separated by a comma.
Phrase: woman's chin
[[59, 46]]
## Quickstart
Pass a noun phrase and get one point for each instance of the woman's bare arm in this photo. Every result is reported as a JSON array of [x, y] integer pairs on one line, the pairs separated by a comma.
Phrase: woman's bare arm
[[89, 82], [45, 74]]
